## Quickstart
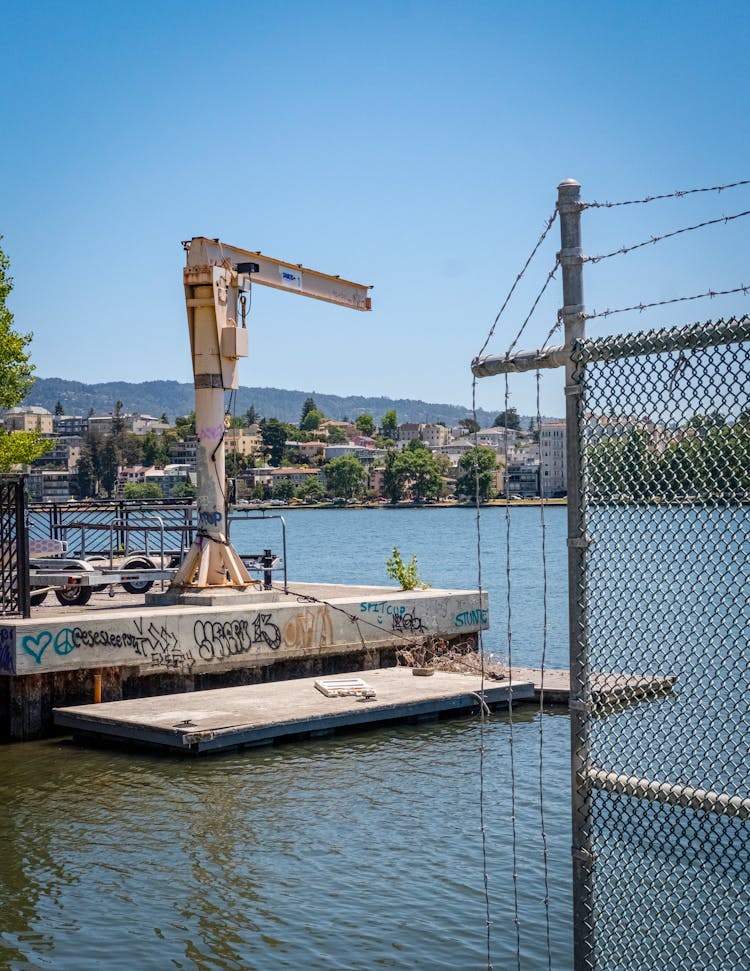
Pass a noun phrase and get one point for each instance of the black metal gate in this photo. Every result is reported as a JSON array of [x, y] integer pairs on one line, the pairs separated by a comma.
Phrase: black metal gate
[[14, 548]]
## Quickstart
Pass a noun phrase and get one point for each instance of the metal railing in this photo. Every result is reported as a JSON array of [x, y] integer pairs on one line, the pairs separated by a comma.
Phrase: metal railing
[[14, 552]]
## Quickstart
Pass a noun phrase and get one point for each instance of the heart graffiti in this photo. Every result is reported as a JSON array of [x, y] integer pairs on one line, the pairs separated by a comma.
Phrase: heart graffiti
[[36, 646]]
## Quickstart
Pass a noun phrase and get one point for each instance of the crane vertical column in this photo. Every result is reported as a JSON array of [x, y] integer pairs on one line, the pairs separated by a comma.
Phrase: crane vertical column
[[211, 294]]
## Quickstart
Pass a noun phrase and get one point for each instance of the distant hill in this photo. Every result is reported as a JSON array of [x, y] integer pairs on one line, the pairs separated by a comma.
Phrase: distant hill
[[176, 398]]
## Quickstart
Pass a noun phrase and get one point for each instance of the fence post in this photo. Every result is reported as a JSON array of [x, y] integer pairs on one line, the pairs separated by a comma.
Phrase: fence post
[[571, 260]]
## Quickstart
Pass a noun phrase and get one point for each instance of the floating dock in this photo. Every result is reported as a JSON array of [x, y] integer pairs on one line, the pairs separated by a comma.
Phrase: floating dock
[[214, 720]]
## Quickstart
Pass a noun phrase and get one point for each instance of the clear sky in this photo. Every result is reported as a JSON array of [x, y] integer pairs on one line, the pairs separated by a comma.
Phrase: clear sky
[[416, 146]]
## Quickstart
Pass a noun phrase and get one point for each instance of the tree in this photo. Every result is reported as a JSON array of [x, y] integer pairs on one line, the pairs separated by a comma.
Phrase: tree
[[336, 435], [508, 419], [477, 467], [345, 477], [470, 425], [311, 489], [274, 435], [283, 489], [185, 426], [251, 416], [184, 490], [393, 477], [311, 421], [366, 425], [422, 473], [307, 407], [16, 377], [59, 410], [389, 424], [142, 490]]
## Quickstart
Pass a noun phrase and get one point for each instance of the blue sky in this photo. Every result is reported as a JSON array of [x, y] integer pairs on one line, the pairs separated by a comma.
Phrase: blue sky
[[415, 146]]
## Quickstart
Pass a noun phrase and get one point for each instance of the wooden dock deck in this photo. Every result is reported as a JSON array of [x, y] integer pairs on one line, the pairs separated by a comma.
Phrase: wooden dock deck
[[214, 720]]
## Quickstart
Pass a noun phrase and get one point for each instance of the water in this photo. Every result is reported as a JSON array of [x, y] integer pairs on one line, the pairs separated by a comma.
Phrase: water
[[352, 545], [358, 852]]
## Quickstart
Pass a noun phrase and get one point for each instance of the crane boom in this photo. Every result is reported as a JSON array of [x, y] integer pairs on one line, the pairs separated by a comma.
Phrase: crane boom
[[292, 277]]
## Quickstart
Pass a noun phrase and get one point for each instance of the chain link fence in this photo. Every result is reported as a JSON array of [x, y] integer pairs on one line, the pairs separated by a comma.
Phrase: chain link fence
[[660, 723]]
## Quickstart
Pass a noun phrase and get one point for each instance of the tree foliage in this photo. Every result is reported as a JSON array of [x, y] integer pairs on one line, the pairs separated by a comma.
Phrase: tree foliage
[[345, 477], [706, 458], [142, 490], [477, 467], [414, 470], [336, 435], [307, 407], [389, 424], [311, 421], [16, 377], [470, 425], [508, 419], [274, 434], [365, 425]]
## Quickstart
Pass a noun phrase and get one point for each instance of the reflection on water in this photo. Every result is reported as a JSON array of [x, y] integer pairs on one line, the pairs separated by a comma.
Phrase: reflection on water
[[353, 853]]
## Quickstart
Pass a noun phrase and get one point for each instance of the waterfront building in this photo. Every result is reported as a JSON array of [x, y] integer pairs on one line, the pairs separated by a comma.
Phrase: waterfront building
[[552, 441], [523, 481], [52, 485]]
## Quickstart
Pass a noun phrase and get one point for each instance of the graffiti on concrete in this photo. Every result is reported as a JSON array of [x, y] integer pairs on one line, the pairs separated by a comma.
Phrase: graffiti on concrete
[[472, 618], [308, 630], [7, 658], [217, 640], [407, 623], [379, 609]]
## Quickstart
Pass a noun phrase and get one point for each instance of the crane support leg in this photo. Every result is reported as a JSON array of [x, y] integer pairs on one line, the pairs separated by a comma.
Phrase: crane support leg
[[211, 560]]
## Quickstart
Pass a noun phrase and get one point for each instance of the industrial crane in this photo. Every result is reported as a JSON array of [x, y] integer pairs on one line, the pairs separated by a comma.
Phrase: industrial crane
[[217, 279]]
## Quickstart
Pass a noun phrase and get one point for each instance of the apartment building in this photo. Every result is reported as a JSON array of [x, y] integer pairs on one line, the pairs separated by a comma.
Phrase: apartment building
[[552, 441]]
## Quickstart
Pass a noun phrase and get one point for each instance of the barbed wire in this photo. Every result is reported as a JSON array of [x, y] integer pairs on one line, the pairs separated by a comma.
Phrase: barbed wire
[[662, 303], [658, 239], [535, 304], [548, 225], [678, 194]]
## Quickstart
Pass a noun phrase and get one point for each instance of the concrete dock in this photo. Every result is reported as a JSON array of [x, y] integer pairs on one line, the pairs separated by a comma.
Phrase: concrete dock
[[215, 720], [220, 640]]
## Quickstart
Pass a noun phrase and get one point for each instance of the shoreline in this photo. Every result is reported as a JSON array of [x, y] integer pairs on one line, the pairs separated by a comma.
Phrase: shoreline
[[267, 507]]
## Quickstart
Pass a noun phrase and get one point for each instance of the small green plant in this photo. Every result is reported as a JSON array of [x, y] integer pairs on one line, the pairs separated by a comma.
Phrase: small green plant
[[404, 573]]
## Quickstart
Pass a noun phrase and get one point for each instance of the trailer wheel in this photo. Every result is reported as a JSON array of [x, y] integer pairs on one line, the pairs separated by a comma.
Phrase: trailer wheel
[[138, 586], [38, 598], [74, 596]]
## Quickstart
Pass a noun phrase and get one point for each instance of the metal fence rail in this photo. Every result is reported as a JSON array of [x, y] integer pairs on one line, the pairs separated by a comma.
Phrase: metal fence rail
[[661, 829], [77, 522], [14, 564]]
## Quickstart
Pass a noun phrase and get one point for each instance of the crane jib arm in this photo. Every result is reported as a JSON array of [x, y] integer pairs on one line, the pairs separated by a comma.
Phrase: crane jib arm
[[279, 274]]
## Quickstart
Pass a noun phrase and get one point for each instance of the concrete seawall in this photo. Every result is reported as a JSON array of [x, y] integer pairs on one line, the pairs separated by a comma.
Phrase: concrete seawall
[[51, 659]]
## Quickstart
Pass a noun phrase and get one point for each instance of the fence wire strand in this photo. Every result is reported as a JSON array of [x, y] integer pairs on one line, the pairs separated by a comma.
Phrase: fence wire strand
[[548, 225], [658, 239], [640, 307], [677, 194]]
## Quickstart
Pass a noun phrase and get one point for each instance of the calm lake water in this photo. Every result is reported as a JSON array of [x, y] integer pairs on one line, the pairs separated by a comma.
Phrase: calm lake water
[[358, 852]]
